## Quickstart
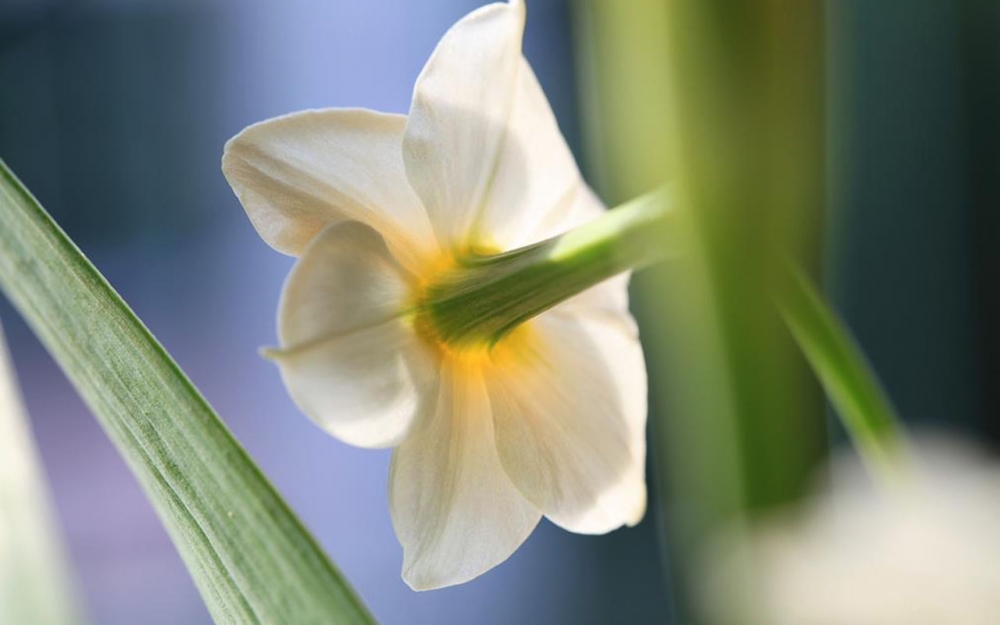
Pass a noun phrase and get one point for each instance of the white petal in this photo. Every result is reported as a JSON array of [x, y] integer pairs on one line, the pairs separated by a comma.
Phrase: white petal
[[299, 173], [349, 360], [607, 300], [455, 511], [536, 184], [570, 422], [581, 206], [458, 118]]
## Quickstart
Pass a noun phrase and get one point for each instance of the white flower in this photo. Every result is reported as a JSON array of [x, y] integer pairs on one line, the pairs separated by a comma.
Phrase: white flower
[[488, 437], [925, 554]]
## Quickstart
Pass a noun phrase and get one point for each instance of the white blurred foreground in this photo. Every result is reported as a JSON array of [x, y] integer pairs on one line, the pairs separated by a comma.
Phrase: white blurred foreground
[[924, 553]]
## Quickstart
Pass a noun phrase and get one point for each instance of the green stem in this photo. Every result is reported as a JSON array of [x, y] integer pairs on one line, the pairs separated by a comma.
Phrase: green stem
[[485, 297]]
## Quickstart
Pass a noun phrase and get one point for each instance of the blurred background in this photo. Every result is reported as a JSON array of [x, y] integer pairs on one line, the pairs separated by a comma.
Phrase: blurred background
[[114, 114]]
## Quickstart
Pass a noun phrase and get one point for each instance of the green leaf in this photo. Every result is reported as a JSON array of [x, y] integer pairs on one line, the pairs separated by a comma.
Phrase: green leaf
[[843, 371], [35, 580], [250, 557]]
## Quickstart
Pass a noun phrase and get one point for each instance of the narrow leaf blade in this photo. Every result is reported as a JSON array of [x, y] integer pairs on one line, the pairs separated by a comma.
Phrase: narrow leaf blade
[[843, 370], [249, 555]]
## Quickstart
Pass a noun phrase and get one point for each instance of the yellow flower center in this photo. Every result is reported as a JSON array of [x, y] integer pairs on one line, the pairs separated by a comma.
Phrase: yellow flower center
[[472, 353]]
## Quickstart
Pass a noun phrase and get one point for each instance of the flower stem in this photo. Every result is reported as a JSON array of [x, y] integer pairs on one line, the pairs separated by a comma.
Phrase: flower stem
[[486, 296]]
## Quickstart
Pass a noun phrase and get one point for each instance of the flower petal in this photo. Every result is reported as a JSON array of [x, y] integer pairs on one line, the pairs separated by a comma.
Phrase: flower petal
[[570, 421], [349, 360], [299, 173], [458, 118], [579, 205], [455, 511], [536, 183]]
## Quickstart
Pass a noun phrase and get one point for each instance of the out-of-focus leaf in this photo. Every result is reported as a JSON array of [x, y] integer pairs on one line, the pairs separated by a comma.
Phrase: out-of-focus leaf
[[842, 369], [35, 586], [725, 100], [251, 558]]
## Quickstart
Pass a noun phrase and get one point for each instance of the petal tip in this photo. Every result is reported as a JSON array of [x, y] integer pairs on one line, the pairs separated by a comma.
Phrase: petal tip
[[639, 512], [419, 584], [272, 354], [420, 579]]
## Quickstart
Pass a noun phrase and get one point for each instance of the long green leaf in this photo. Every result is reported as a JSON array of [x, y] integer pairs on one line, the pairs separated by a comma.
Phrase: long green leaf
[[842, 369], [249, 555], [35, 580]]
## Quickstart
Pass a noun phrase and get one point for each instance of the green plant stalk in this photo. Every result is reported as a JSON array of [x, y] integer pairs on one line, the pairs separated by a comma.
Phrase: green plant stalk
[[748, 155], [249, 555], [36, 586], [486, 296], [733, 117]]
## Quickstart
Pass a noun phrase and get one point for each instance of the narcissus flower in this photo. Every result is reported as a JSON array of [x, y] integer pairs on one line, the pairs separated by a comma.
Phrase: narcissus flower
[[493, 424]]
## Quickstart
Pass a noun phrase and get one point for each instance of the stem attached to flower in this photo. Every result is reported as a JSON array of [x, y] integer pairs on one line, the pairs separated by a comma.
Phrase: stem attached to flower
[[485, 297]]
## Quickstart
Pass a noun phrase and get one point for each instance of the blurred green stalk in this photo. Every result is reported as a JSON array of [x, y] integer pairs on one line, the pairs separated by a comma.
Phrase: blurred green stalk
[[35, 578], [725, 100]]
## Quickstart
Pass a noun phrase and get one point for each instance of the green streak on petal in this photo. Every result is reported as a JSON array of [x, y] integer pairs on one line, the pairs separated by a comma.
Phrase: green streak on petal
[[249, 555]]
